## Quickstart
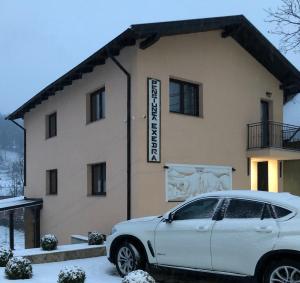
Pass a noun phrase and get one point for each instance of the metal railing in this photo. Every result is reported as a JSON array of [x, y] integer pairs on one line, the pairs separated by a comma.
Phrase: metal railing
[[273, 134]]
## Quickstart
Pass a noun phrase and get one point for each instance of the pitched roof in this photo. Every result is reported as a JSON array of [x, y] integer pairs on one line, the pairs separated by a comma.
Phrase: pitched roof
[[238, 27]]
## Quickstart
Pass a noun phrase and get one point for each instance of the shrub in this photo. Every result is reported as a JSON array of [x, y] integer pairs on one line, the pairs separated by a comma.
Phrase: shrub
[[18, 268], [95, 238], [49, 242], [138, 276], [5, 255], [71, 274]]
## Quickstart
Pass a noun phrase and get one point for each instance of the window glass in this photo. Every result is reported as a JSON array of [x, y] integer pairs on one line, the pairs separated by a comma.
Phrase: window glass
[[51, 125], [52, 181], [174, 97], [281, 212], [99, 179], [97, 105], [191, 106], [239, 208], [184, 98], [201, 209]]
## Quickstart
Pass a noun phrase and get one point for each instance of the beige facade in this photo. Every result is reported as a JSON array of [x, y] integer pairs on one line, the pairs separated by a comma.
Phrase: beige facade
[[234, 83]]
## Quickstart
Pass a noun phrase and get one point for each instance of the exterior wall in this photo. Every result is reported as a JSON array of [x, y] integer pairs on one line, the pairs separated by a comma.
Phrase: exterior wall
[[76, 145], [234, 83], [291, 177]]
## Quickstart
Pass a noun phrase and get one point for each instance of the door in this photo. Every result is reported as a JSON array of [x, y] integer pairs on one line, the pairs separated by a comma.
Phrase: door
[[262, 176], [246, 233], [265, 114], [185, 242]]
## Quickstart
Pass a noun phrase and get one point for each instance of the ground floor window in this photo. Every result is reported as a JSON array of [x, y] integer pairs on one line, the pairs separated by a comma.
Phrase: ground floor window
[[51, 180], [98, 179]]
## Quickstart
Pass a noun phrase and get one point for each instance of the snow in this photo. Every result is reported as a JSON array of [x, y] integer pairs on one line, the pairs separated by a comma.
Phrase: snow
[[4, 238], [62, 248], [98, 269], [8, 158], [138, 276]]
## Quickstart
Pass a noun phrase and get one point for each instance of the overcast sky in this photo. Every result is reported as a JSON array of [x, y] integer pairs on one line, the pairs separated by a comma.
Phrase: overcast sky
[[41, 40]]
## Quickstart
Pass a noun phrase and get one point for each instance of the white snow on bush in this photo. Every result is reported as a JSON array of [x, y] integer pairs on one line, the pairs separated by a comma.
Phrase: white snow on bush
[[49, 242], [95, 238], [138, 276], [5, 255], [72, 274], [18, 268]]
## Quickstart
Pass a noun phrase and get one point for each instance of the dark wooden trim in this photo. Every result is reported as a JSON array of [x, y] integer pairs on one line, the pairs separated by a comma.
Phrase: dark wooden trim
[[11, 230], [149, 41]]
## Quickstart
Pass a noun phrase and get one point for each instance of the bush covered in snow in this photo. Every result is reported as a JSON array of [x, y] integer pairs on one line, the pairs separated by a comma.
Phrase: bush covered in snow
[[71, 274], [49, 242], [18, 268], [95, 238], [138, 276], [5, 255]]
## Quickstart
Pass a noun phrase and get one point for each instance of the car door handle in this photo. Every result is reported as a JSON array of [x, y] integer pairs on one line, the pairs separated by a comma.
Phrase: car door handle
[[264, 229], [202, 228]]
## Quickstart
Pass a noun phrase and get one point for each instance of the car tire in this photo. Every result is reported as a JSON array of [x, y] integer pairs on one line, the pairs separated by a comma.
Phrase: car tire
[[285, 270], [129, 258]]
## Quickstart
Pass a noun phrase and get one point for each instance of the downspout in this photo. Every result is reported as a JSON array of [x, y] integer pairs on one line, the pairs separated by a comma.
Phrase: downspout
[[24, 150], [128, 133]]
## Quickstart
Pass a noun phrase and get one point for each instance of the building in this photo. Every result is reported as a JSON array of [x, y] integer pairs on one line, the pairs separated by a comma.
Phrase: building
[[162, 112]]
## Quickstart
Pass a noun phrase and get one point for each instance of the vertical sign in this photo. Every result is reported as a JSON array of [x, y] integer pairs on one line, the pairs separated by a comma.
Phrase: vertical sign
[[153, 120]]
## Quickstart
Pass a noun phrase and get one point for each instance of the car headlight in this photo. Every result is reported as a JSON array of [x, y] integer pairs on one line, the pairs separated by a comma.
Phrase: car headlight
[[114, 230]]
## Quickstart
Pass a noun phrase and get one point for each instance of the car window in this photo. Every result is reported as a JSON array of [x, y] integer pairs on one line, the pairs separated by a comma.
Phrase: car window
[[201, 209], [281, 212], [239, 208], [267, 214]]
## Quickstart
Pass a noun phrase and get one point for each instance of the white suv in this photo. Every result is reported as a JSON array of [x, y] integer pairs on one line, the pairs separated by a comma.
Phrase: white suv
[[240, 233]]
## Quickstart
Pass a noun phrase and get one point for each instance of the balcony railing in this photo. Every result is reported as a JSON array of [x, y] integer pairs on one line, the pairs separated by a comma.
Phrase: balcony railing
[[273, 134]]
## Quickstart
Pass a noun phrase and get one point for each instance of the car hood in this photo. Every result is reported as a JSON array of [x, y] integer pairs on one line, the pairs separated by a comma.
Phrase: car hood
[[144, 219]]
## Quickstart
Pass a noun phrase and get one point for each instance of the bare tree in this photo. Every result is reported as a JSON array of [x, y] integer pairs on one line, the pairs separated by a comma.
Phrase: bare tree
[[286, 21], [16, 177]]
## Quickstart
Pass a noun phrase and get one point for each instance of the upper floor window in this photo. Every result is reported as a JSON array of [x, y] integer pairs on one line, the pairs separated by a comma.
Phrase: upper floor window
[[184, 98], [98, 179], [97, 105], [51, 125], [51, 176]]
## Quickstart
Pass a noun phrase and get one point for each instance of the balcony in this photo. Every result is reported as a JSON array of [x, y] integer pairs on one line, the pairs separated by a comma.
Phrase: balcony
[[264, 135]]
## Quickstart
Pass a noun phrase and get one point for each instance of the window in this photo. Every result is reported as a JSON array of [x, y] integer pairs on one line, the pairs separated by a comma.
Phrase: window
[[184, 98], [51, 182], [201, 209], [97, 105], [281, 212], [239, 208], [98, 179], [51, 130]]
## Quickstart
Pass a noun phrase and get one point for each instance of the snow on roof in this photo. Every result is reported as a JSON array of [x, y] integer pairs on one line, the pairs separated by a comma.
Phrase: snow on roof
[[18, 202]]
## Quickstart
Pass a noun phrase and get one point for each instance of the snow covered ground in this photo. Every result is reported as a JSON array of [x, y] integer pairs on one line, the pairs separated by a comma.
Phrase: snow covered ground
[[7, 158], [291, 112], [4, 238], [98, 269]]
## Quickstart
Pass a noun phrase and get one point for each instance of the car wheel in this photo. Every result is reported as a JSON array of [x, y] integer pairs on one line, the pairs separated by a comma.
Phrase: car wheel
[[282, 271], [129, 258]]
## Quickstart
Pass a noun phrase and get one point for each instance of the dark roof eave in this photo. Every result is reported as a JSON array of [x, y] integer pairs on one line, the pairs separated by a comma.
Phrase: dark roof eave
[[245, 34]]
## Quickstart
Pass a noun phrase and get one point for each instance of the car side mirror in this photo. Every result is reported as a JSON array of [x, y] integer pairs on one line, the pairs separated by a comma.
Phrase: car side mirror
[[170, 217]]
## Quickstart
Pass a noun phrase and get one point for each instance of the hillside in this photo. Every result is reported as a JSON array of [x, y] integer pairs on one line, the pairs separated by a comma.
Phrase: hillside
[[11, 158]]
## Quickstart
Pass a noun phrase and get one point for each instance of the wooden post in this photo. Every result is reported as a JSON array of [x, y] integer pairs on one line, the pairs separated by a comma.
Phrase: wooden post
[[37, 226], [11, 230]]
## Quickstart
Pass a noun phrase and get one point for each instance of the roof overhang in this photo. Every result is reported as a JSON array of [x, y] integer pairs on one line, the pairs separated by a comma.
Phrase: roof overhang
[[19, 202], [238, 27]]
